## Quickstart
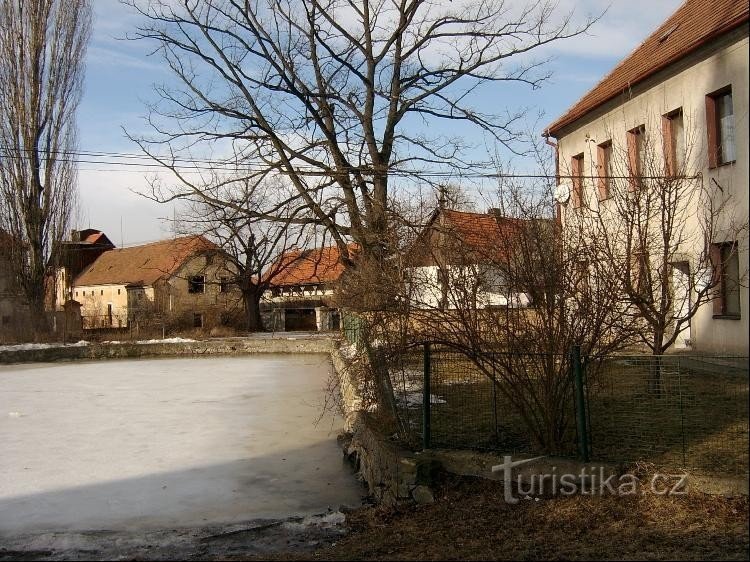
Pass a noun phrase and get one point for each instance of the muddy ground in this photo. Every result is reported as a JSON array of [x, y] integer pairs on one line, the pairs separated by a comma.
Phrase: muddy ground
[[471, 521]]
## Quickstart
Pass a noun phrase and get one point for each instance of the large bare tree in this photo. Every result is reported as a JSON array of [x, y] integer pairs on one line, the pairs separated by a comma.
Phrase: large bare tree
[[230, 213], [339, 96], [42, 51]]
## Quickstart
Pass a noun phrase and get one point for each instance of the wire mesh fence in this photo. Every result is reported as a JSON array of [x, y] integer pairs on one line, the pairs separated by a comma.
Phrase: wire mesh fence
[[676, 411], [471, 406]]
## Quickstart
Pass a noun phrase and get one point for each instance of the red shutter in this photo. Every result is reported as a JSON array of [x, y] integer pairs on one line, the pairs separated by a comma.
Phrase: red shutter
[[711, 130], [717, 280], [632, 159], [667, 136], [601, 156]]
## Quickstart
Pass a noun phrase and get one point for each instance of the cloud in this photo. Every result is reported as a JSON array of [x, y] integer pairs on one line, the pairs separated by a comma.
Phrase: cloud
[[107, 201]]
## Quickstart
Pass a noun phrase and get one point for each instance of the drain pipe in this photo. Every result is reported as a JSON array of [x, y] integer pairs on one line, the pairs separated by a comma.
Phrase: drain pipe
[[558, 207], [546, 136]]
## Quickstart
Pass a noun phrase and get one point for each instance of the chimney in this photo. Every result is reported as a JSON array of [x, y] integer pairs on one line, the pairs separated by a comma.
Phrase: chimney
[[75, 235]]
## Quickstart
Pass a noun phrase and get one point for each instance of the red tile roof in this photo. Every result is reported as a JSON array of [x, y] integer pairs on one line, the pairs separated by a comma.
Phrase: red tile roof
[[477, 237], [142, 265], [306, 267], [484, 233], [694, 24]]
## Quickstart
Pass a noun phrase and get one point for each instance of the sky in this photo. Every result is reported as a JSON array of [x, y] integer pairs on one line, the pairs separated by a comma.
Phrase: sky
[[121, 75]]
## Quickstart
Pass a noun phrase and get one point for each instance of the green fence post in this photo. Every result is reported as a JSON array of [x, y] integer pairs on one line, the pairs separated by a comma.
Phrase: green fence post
[[426, 429], [583, 434]]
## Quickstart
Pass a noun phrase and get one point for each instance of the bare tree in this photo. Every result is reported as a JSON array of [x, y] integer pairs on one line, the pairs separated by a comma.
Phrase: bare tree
[[257, 249], [649, 221], [333, 94], [42, 50], [513, 301]]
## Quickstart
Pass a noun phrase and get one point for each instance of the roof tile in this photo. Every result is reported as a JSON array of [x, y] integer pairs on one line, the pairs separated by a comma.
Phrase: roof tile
[[142, 265], [695, 23]]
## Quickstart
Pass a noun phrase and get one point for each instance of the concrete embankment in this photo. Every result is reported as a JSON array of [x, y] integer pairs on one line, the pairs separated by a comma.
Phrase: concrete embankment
[[122, 350]]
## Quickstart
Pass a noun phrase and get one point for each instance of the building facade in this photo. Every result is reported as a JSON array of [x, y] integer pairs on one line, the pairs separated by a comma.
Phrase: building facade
[[677, 105], [302, 296], [456, 262], [182, 283]]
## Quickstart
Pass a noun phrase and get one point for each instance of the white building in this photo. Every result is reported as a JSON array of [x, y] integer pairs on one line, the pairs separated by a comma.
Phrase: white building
[[687, 85]]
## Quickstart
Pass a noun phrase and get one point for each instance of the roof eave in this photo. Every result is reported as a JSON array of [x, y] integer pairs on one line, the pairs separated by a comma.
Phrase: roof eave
[[569, 118]]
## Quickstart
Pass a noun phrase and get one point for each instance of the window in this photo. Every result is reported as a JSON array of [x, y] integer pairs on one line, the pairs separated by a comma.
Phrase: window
[[576, 171], [101, 292], [76, 293], [636, 155], [197, 284], [720, 127], [725, 259], [604, 167], [118, 291], [673, 133], [197, 320], [223, 284]]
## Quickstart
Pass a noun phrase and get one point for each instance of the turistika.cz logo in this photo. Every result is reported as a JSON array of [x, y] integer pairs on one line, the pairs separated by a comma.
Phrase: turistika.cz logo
[[593, 481]]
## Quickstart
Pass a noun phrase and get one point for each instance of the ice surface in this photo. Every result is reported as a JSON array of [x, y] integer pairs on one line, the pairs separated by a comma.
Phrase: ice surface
[[149, 444]]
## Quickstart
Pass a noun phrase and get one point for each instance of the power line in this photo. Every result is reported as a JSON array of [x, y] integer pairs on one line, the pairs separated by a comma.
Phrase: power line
[[112, 159]]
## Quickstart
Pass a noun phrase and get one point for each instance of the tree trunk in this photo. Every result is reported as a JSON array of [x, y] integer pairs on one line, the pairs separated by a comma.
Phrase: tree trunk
[[251, 302]]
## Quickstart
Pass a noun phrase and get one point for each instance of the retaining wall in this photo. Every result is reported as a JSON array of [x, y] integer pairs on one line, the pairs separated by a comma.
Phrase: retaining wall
[[228, 346]]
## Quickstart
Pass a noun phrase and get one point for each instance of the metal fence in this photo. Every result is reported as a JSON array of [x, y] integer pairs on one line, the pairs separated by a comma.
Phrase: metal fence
[[676, 411], [682, 411], [352, 328]]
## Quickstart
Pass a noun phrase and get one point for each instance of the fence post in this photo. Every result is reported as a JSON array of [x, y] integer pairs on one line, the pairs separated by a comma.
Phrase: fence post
[[583, 434], [426, 429]]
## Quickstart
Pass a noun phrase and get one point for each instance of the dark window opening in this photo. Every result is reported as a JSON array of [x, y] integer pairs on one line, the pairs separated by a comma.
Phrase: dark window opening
[[576, 170], [673, 132], [604, 164], [636, 156], [224, 284], [197, 320], [197, 284], [725, 259]]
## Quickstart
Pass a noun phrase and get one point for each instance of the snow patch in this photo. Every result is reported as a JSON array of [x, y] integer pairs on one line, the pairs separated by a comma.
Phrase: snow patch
[[348, 351], [149, 342], [31, 346], [331, 519], [413, 399]]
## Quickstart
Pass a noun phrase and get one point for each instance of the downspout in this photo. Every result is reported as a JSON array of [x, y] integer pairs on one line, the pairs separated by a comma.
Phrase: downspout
[[558, 209]]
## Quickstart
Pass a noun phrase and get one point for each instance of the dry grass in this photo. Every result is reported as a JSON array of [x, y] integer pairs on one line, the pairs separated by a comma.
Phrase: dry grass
[[470, 520]]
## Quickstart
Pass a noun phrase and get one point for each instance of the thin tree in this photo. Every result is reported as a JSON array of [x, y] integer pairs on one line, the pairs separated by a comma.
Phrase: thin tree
[[258, 250], [649, 221], [42, 51]]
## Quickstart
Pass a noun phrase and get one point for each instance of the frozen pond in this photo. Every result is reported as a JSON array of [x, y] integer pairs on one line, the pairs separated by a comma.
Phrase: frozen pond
[[167, 443]]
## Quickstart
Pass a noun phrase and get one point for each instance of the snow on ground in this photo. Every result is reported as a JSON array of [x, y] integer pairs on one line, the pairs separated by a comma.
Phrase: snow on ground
[[147, 342], [414, 399], [30, 346]]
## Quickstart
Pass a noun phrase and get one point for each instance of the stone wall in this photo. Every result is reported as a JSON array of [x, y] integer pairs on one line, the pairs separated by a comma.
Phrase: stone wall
[[227, 346], [392, 474]]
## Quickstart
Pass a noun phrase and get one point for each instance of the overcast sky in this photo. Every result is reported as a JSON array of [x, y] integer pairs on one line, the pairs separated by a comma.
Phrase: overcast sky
[[121, 74]]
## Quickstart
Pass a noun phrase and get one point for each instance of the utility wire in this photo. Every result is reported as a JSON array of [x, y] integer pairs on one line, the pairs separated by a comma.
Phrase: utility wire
[[112, 159]]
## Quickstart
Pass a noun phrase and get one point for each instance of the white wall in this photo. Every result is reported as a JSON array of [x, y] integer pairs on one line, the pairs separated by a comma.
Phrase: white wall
[[685, 85]]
